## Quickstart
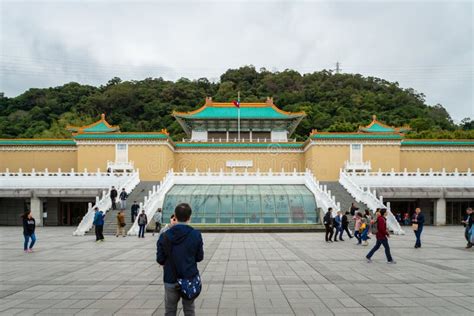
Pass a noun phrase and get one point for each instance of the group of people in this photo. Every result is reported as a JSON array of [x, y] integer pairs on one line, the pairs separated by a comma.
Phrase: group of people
[[365, 225]]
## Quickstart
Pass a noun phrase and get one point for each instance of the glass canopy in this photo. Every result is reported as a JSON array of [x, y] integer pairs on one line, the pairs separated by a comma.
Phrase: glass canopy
[[244, 204]]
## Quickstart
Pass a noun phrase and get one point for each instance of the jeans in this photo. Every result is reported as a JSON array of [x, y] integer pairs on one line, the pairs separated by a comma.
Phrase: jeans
[[123, 204], [141, 231], [27, 239], [99, 229], [365, 234], [171, 303], [357, 236], [383, 242], [418, 236], [336, 232], [329, 231]]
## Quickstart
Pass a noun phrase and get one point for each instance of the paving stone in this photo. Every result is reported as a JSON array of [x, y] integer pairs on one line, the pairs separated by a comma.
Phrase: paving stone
[[243, 274]]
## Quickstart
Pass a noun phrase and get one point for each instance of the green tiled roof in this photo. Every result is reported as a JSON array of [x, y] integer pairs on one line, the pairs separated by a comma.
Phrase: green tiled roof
[[49, 142], [356, 136], [251, 145], [210, 112], [99, 128], [440, 142], [121, 136], [378, 128]]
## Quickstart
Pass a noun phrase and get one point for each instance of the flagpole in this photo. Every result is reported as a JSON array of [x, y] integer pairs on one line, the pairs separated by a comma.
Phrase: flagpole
[[238, 116]]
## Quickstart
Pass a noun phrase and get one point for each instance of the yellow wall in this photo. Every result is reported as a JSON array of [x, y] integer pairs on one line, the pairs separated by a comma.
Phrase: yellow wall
[[152, 160], [437, 160], [92, 157], [215, 161], [326, 160], [38, 160], [383, 157]]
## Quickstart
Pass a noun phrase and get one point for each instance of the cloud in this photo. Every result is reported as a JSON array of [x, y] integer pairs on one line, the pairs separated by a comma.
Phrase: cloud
[[425, 45]]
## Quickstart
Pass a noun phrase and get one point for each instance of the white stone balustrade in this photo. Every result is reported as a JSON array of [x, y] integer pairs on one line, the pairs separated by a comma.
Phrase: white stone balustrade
[[120, 165], [355, 166], [61, 180], [368, 197], [417, 179]]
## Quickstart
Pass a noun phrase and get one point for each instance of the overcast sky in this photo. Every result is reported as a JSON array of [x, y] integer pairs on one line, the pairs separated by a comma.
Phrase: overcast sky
[[426, 45]]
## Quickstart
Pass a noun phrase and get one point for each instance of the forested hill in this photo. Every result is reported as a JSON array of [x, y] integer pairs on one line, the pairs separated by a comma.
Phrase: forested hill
[[332, 102]]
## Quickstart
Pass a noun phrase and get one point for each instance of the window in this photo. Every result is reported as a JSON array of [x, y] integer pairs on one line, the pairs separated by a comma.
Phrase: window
[[121, 153], [356, 153]]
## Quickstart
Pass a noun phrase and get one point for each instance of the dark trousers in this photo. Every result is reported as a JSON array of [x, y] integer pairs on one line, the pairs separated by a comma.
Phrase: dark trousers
[[385, 244], [329, 231], [134, 215], [346, 229], [114, 205], [141, 232], [418, 236], [99, 229], [357, 235], [336, 232]]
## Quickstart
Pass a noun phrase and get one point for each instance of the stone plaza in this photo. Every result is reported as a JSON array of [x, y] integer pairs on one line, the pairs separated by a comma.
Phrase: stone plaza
[[243, 274]]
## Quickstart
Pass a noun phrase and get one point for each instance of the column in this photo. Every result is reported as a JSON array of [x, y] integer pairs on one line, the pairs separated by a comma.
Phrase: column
[[440, 212], [250, 136], [227, 135], [36, 207]]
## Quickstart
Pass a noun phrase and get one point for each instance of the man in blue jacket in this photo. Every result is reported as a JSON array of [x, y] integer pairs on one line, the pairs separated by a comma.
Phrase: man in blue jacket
[[185, 248], [418, 223], [99, 224]]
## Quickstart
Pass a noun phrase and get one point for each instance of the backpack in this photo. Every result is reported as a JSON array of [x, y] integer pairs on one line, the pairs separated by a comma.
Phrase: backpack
[[189, 288]]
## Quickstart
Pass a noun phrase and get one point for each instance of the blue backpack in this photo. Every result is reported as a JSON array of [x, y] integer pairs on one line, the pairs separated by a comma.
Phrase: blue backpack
[[189, 288]]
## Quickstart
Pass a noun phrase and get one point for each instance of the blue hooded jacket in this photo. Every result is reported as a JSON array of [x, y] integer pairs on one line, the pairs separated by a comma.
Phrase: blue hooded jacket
[[186, 251], [99, 218]]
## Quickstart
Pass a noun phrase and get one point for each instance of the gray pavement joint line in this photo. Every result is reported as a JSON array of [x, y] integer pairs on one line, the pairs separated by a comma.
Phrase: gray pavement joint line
[[280, 240], [300, 254]]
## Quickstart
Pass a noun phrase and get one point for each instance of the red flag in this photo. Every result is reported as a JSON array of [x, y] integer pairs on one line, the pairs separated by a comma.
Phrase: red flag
[[236, 103]]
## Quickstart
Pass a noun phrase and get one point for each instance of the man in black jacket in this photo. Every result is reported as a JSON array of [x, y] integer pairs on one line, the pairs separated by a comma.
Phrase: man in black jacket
[[179, 249], [113, 196], [345, 226], [354, 209], [328, 224], [134, 210]]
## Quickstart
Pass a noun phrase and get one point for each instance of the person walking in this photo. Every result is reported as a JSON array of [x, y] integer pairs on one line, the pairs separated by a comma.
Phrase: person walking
[[179, 249], [29, 225], [345, 225], [113, 197], [468, 220], [364, 231], [368, 218], [142, 222], [354, 209], [99, 225], [382, 238], [120, 224], [158, 217], [123, 199], [328, 224], [337, 225], [134, 210], [358, 222], [417, 225]]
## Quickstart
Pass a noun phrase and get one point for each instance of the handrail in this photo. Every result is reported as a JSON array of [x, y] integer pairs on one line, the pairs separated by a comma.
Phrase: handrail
[[235, 140], [322, 194], [152, 201], [104, 203], [368, 197]]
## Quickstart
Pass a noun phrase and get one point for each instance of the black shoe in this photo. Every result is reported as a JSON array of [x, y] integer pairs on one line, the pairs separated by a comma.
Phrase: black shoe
[[335, 240], [341, 239], [469, 246]]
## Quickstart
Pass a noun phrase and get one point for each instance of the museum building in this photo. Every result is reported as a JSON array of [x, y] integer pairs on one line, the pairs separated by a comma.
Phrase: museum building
[[237, 166]]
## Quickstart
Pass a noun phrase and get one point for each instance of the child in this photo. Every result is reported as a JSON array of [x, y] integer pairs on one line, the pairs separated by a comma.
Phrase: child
[[364, 231], [358, 222]]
